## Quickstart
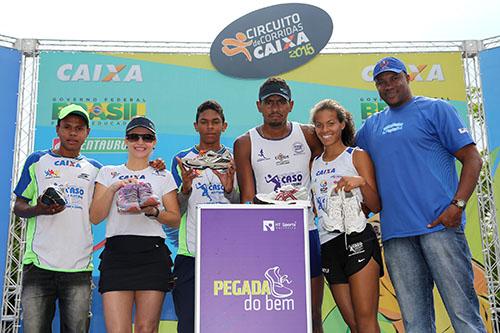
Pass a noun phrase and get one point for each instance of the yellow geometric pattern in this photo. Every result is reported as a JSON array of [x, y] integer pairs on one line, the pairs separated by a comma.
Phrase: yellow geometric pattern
[[346, 70]]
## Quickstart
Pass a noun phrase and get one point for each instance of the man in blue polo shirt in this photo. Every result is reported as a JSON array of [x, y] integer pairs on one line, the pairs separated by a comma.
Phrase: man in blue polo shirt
[[414, 143]]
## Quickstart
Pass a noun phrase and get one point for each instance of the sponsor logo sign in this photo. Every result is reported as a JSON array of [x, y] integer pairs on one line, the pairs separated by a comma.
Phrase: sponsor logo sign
[[271, 40], [418, 73], [243, 287], [103, 112], [99, 145], [99, 73]]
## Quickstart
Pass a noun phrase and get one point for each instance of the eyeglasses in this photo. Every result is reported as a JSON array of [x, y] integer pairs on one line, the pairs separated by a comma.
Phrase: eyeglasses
[[145, 137]]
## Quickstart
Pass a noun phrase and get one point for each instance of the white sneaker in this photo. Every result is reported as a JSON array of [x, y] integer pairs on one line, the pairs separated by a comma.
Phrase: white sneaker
[[286, 195], [354, 218], [210, 159], [335, 219]]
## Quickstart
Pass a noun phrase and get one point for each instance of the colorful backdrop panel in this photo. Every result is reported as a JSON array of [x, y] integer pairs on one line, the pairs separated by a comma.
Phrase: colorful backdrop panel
[[253, 269], [168, 87], [490, 72], [10, 61]]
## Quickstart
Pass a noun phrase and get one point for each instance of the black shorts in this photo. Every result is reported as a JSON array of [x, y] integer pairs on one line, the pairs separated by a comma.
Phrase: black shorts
[[135, 263], [339, 263]]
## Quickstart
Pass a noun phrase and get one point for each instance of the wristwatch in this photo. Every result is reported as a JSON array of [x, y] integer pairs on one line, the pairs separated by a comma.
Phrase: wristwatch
[[155, 215], [459, 203]]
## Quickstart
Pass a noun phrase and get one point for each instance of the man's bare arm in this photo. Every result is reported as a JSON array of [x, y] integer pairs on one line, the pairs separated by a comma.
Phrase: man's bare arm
[[244, 172], [312, 140]]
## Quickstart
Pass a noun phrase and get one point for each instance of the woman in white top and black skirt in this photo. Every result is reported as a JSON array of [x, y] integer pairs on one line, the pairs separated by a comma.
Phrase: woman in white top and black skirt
[[136, 200], [342, 182]]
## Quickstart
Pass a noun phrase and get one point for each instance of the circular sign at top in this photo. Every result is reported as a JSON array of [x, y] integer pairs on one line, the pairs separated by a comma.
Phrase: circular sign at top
[[271, 40]]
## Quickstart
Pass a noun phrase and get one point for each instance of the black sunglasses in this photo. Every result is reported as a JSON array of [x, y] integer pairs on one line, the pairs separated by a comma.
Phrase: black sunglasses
[[145, 137]]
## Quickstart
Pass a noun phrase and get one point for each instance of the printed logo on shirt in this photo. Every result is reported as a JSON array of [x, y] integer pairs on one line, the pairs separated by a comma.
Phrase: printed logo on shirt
[[291, 178], [67, 163], [391, 128], [282, 159], [323, 186], [210, 191], [160, 173], [298, 148], [131, 177], [261, 156], [325, 171], [463, 130], [114, 174], [321, 203], [51, 173], [74, 196], [84, 176]]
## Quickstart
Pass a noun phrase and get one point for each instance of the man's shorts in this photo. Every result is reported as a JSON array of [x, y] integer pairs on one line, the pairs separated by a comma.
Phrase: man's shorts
[[340, 262], [314, 253]]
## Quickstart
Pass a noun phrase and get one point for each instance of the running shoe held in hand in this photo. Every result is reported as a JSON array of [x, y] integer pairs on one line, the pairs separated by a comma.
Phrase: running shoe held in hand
[[286, 195], [146, 196], [210, 159], [53, 195], [128, 199]]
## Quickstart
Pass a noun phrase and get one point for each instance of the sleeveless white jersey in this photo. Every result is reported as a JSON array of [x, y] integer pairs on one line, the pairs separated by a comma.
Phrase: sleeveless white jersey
[[324, 177], [277, 163]]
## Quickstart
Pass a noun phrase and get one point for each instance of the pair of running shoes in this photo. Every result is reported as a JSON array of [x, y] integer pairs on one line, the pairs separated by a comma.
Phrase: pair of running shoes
[[344, 212], [284, 195], [132, 197]]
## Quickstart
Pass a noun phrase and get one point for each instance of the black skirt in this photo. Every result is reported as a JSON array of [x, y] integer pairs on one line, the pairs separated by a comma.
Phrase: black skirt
[[135, 263]]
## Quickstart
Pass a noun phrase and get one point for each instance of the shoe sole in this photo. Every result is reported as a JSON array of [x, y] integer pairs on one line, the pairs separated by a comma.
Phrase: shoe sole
[[203, 167], [197, 167], [150, 202], [281, 202], [130, 210]]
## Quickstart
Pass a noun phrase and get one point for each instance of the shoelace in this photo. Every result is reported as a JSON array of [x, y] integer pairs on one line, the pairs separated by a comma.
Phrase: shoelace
[[286, 195], [128, 193], [145, 188], [346, 208]]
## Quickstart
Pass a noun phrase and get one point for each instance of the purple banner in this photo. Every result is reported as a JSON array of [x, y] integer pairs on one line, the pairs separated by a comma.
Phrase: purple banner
[[252, 269]]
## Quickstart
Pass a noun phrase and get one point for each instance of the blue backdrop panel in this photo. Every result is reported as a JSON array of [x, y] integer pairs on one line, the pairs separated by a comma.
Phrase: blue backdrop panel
[[9, 83]]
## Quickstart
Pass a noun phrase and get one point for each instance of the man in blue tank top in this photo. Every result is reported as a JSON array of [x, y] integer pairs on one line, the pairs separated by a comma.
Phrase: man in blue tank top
[[278, 154], [414, 143]]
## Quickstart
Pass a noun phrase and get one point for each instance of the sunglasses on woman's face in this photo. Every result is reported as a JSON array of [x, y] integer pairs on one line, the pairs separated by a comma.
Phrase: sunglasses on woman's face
[[133, 137]]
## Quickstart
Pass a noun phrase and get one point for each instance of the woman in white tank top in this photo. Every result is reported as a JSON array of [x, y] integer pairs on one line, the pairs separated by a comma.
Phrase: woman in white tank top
[[351, 258]]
